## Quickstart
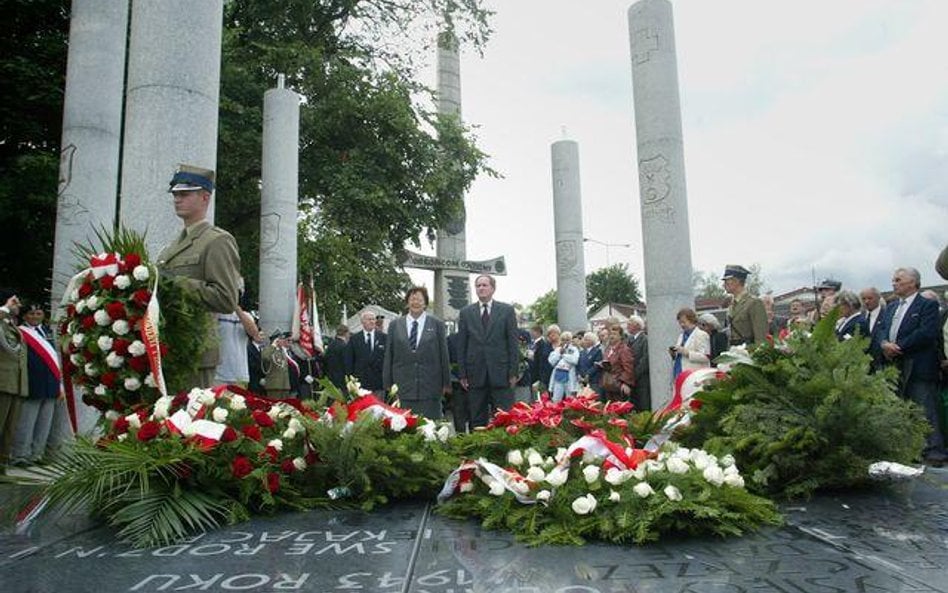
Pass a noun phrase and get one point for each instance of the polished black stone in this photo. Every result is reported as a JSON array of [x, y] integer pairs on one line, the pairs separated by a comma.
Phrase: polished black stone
[[890, 538]]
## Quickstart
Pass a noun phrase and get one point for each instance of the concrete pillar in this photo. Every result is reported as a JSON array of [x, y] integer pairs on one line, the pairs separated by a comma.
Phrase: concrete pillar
[[664, 204], [92, 128], [568, 233], [452, 288], [279, 207], [174, 72]]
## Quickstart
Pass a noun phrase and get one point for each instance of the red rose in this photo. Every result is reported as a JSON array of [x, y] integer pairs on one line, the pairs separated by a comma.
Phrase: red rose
[[262, 418], [311, 458], [273, 482], [148, 431], [241, 467], [139, 364], [287, 466], [120, 425], [85, 289], [115, 310], [108, 379], [70, 312], [87, 322], [228, 435], [132, 260], [107, 282], [141, 298], [252, 432], [133, 323], [88, 355], [271, 453], [180, 400], [120, 346]]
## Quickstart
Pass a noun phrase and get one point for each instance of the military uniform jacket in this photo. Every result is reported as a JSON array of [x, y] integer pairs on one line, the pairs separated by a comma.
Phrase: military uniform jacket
[[205, 259], [13, 373], [748, 320]]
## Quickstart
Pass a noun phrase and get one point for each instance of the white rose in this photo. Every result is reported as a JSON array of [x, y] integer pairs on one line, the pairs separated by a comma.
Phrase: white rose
[[140, 273], [150, 380], [734, 480], [639, 472], [672, 493], [534, 458], [520, 487], [652, 466], [219, 414], [274, 411], [496, 488], [444, 433], [276, 444], [544, 495], [104, 343], [207, 397], [114, 360], [99, 390], [162, 406], [536, 474], [136, 348], [122, 282], [92, 302], [683, 453], [467, 486], [398, 423], [714, 475], [589, 457], [591, 473], [549, 462], [700, 459], [614, 496], [132, 384], [120, 327], [515, 457], [429, 431], [90, 369], [123, 436], [584, 504], [676, 465], [81, 306], [299, 463], [295, 425], [727, 460], [557, 477], [238, 402], [731, 469], [643, 489], [102, 318], [134, 421], [111, 415], [393, 391], [289, 434], [78, 339], [616, 476]]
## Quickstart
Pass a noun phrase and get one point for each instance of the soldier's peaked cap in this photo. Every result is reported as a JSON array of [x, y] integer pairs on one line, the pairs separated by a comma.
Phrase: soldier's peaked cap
[[191, 178], [830, 284], [735, 271]]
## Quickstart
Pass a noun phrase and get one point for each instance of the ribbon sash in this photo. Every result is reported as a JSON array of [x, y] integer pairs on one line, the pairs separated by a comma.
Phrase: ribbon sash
[[41, 346]]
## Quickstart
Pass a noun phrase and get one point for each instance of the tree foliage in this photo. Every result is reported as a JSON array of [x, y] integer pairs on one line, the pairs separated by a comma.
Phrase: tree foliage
[[543, 310], [614, 284]]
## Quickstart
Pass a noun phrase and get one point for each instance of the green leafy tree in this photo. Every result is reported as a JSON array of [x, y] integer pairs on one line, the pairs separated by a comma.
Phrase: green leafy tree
[[614, 284], [707, 285], [543, 310]]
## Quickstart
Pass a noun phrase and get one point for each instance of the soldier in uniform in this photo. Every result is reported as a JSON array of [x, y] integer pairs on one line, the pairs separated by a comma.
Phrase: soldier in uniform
[[203, 257], [747, 317]]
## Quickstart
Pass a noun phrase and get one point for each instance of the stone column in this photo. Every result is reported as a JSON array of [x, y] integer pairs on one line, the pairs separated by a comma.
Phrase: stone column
[[174, 72], [452, 288], [663, 199], [568, 233], [279, 207], [92, 128]]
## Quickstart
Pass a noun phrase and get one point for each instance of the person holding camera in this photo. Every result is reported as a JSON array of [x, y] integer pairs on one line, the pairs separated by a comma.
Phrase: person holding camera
[[693, 349], [563, 359]]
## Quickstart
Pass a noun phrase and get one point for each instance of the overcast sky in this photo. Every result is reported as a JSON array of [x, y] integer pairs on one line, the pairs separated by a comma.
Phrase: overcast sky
[[815, 136]]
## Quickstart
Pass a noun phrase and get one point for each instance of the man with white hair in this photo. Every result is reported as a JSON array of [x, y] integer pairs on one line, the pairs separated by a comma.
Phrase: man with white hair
[[638, 342], [872, 306]]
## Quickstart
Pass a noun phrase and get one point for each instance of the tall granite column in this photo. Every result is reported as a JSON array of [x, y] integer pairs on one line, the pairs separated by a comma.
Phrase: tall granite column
[[568, 233], [174, 67], [92, 127], [664, 204], [279, 207], [452, 288]]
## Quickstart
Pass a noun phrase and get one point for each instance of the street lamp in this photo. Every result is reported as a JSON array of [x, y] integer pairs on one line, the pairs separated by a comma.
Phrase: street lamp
[[607, 246]]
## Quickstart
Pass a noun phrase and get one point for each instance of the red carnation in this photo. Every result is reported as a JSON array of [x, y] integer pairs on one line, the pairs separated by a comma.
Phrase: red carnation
[[107, 282], [115, 310], [272, 453], [273, 482], [132, 260], [228, 435], [287, 466], [70, 312], [180, 400], [108, 379], [311, 458], [85, 289], [241, 467], [141, 298], [87, 322], [262, 418], [133, 323], [120, 346], [148, 431], [118, 406], [88, 355], [252, 432], [120, 425], [139, 364]]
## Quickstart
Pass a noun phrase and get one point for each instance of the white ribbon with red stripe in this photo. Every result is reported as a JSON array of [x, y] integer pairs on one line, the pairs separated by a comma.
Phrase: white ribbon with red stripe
[[41, 346]]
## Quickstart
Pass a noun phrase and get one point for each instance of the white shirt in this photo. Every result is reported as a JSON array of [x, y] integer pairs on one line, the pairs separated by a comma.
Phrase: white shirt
[[894, 330], [480, 307], [872, 317]]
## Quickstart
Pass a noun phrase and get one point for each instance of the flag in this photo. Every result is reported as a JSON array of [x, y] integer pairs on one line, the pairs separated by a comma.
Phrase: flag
[[302, 330], [317, 331]]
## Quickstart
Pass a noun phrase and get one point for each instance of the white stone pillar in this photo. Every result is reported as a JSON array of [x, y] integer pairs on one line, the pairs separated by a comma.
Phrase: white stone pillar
[[452, 288], [92, 127], [568, 233], [279, 207], [174, 72], [664, 204]]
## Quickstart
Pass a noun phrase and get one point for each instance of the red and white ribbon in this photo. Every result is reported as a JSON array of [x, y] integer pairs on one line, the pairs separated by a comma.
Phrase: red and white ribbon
[[105, 264]]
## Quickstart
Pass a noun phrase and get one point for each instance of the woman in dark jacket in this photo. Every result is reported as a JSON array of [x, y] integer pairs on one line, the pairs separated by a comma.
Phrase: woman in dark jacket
[[617, 362]]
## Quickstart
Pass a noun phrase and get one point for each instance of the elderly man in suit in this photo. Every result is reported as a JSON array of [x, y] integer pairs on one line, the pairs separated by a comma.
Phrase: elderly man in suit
[[416, 358], [908, 339], [488, 356], [204, 258], [365, 354], [638, 342]]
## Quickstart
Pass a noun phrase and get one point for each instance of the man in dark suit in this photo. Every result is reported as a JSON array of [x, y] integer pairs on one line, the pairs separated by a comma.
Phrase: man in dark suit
[[908, 338], [416, 358], [336, 357], [638, 342], [488, 357], [366, 353]]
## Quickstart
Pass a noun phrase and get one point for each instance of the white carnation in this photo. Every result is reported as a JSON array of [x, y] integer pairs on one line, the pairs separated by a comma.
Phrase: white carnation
[[150, 380], [734, 480], [700, 459], [497, 488], [123, 436], [276, 444], [557, 477], [398, 423], [714, 475], [114, 360], [614, 496], [78, 339], [136, 348], [295, 425], [90, 369], [132, 384], [299, 463], [104, 343], [534, 458], [444, 433], [289, 434], [727, 461], [584, 504], [591, 473], [536, 474], [515, 457], [140, 273], [544, 495], [92, 303], [162, 405], [672, 493], [238, 402], [76, 359], [99, 390], [80, 305], [102, 318], [120, 327], [134, 421], [219, 414], [429, 431], [676, 465], [643, 489], [616, 476], [122, 282], [639, 472]]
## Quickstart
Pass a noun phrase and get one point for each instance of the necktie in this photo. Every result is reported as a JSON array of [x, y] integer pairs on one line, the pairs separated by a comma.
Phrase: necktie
[[485, 316], [368, 340], [413, 337], [896, 321]]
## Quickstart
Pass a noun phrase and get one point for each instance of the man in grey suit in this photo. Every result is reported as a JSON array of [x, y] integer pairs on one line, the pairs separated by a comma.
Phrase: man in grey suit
[[638, 342], [417, 357], [488, 356]]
